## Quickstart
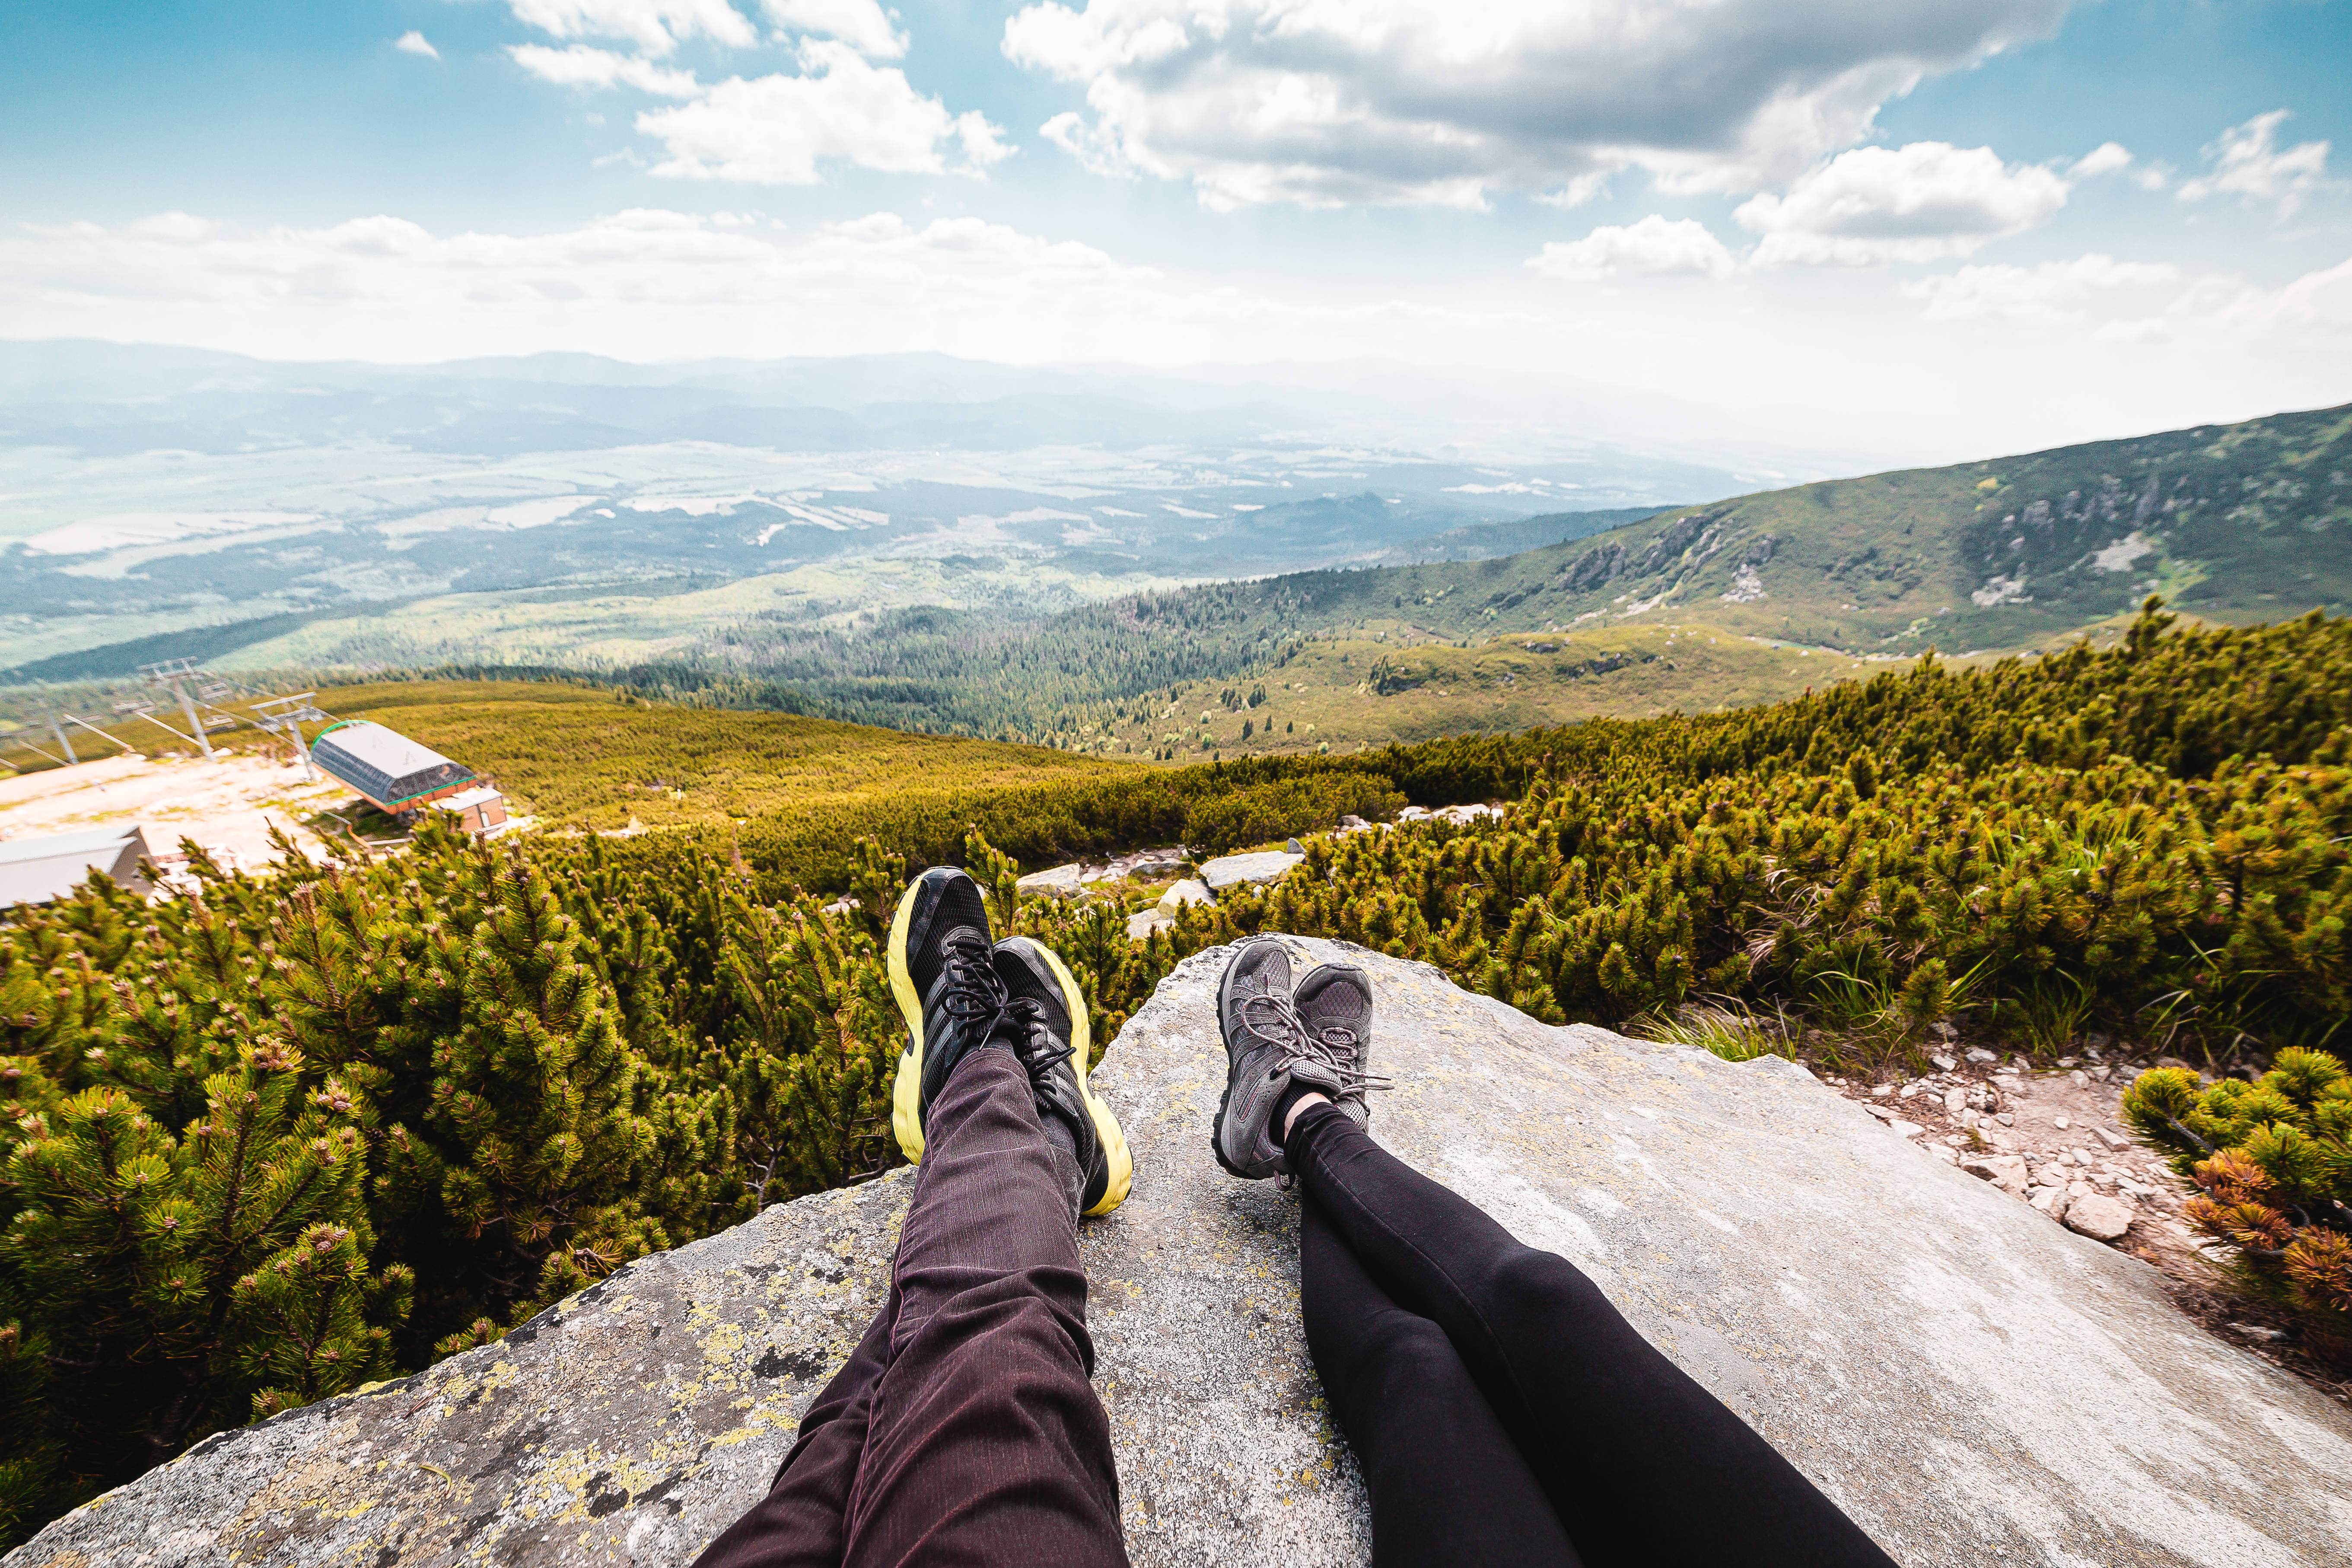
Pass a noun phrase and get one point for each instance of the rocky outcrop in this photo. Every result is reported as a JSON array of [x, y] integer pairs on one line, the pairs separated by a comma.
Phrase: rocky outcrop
[[1975, 1385]]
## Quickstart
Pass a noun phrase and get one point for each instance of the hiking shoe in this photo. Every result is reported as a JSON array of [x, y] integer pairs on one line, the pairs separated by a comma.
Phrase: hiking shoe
[[944, 978], [1335, 1003], [1051, 1035], [1267, 1051]]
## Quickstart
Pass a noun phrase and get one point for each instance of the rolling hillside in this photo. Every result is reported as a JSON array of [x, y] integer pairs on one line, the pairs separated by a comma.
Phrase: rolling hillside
[[2236, 524]]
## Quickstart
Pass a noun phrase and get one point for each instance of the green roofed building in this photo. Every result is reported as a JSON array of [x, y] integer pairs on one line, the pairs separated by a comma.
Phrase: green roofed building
[[392, 772]]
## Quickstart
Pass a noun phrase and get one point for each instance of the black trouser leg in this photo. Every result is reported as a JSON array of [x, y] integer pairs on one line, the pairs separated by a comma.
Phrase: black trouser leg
[[1642, 1464], [1447, 1486], [987, 1444]]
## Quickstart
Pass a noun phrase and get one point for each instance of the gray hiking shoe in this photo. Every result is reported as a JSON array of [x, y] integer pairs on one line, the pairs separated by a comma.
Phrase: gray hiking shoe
[[1271, 1046], [1335, 1003]]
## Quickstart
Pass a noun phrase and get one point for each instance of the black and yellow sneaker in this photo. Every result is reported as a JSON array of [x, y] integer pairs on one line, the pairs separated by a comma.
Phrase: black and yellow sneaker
[[944, 977], [1053, 1037]]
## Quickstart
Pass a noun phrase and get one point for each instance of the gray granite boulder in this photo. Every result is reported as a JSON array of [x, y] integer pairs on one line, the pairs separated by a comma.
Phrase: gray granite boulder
[[1190, 890], [1974, 1384], [1054, 882], [1260, 866]]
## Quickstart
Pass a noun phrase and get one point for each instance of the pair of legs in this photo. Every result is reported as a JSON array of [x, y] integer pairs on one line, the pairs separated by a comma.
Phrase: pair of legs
[[963, 1428], [1500, 1408]]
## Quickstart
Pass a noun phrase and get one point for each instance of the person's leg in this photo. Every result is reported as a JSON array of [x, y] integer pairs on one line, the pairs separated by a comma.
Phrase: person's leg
[[986, 1444], [1447, 1486], [1642, 1464], [964, 1428], [799, 1523]]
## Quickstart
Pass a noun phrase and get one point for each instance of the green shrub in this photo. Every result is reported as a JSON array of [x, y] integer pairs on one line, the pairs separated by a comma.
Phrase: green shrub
[[1284, 808], [2274, 1159]]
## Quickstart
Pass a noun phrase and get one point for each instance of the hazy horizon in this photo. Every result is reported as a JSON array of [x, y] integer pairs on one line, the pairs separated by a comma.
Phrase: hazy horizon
[[1917, 230]]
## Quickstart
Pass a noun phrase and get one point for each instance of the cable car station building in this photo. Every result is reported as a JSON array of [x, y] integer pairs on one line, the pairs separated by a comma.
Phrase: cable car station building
[[400, 777]]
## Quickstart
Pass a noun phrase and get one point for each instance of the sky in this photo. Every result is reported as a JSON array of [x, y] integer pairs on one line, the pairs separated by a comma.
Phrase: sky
[[1930, 229]]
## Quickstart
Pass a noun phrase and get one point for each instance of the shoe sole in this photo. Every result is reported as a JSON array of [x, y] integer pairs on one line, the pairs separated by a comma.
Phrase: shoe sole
[[1118, 1164], [1224, 1101], [907, 1091]]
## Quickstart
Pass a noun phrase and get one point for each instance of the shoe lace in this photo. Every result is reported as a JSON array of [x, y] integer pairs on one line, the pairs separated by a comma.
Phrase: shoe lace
[[975, 994], [1031, 1038], [1274, 1018], [976, 997]]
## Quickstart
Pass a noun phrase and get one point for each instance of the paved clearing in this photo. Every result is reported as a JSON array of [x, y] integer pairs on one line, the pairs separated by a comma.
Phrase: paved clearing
[[228, 805]]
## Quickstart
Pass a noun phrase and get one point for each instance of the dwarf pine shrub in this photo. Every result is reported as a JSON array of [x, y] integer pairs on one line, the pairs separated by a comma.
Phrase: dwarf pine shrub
[[2274, 1161]]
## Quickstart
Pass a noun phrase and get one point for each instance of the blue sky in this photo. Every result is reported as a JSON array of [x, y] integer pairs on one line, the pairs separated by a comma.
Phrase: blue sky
[[1997, 220]]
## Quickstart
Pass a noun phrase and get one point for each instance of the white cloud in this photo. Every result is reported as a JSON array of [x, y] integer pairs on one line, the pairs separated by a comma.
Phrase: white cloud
[[1657, 247], [2106, 158], [774, 129], [1097, 152], [654, 27], [2114, 158], [1916, 202], [777, 130], [581, 66], [653, 285], [2318, 302], [1331, 102], [2054, 291], [860, 24], [2313, 312], [414, 43], [1577, 191], [2247, 163]]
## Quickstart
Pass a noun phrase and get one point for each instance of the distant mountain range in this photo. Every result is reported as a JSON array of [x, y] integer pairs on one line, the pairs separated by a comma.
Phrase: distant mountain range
[[156, 491]]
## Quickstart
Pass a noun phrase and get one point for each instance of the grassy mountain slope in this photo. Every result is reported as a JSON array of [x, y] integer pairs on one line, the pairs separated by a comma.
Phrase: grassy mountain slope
[[583, 756], [577, 755], [2235, 524], [1347, 693]]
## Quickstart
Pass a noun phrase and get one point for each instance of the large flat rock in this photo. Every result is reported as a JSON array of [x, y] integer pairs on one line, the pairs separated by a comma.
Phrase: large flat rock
[[1972, 1382]]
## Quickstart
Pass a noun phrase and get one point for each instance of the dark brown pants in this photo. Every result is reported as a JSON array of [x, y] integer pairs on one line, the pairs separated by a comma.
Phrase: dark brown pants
[[964, 1429]]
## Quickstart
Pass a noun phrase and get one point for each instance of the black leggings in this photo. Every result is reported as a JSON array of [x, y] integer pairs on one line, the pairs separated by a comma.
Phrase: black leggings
[[1501, 1409]]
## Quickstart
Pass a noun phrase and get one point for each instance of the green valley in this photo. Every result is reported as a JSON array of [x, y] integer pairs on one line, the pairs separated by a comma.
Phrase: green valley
[[1694, 609], [1757, 597]]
